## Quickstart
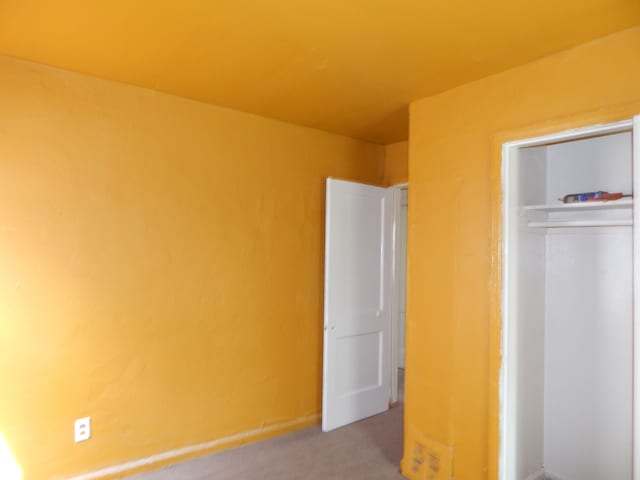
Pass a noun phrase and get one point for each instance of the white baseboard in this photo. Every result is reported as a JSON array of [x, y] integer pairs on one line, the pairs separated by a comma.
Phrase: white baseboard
[[166, 458], [555, 476], [537, 475]]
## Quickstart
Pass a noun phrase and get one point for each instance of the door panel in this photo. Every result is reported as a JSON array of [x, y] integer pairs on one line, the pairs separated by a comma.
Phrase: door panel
[[357, 293]]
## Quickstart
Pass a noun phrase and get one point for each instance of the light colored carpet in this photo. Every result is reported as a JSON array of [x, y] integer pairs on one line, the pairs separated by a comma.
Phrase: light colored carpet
[[367, 450]]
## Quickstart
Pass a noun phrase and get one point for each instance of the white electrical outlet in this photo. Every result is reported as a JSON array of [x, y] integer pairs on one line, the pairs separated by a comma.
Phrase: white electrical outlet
[[82, 429]]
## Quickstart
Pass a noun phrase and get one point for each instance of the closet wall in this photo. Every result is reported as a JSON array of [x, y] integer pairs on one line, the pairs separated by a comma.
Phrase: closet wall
[[589, 317], [573, 313], [527, 312]]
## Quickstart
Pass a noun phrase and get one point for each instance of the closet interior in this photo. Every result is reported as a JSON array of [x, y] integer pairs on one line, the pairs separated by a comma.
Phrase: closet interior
[[567, 374]]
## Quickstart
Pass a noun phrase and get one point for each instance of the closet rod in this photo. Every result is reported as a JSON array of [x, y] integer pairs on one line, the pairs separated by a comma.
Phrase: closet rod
[[581, 223]]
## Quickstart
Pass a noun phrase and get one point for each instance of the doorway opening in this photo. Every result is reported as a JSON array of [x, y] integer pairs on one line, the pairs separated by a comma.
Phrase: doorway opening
[[399, 296], [365, 283]]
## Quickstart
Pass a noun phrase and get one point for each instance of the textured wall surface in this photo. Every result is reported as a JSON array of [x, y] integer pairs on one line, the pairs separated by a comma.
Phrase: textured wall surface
[[453, 348], [162, 268]]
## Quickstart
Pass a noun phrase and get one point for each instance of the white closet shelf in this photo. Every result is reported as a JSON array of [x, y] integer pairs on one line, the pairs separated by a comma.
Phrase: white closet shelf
[[581, 223], [583, 214], [581, 206]]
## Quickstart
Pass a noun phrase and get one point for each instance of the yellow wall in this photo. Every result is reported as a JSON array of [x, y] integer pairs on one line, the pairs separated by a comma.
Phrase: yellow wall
[[396, 163], [162, 269], [453, 321]]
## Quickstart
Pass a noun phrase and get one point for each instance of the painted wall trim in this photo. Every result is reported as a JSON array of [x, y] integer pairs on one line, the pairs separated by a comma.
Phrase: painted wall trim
[[201, 449], [636, 298]]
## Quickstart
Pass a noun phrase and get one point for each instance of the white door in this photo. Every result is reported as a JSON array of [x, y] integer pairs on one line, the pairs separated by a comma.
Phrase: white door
[[357, 320]]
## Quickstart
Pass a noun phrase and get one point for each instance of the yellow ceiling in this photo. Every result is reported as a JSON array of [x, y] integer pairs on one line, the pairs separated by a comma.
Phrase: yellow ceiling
[[346, 66]]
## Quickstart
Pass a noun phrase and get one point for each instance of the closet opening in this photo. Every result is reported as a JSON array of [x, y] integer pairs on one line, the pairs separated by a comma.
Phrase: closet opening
[[569, 282]]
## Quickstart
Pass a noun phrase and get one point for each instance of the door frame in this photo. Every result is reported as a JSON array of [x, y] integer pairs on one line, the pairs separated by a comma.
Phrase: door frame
[[507, 396], [395, 300]]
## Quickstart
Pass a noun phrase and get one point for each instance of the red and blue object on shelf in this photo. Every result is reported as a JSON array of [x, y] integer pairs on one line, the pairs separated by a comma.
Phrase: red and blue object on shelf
[[599, 196]]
